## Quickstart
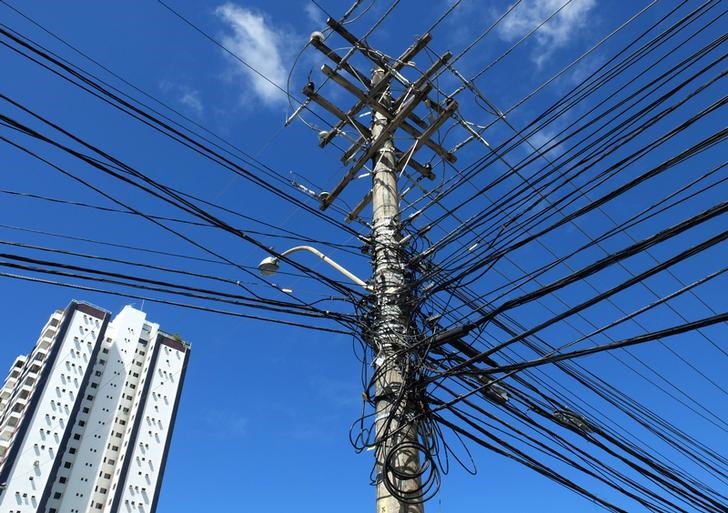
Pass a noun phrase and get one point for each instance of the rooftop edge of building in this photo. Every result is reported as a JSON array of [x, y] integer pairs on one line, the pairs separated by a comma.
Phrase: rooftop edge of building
[[96, 310], [176, 338], [101, 312]]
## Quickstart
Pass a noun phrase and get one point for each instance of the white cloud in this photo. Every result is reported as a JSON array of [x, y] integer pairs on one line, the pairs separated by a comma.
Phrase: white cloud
[[545, 141], [554, 34], [261, 46], [184, 95], [314, 14], [191, 98]]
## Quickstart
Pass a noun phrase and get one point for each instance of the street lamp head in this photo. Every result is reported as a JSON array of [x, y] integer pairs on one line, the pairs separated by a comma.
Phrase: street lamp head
[[268, 266]]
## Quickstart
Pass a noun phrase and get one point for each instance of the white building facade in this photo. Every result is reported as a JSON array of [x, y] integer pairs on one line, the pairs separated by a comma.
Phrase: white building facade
[[86, 418]]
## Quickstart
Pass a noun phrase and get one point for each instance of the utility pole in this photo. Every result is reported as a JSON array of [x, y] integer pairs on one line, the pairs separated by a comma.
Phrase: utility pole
[[390, 333], [397, 441]]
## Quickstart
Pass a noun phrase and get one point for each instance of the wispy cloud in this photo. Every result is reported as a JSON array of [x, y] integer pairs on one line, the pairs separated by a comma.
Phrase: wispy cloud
[[184, 95], [314, 14], [554, 34], [252, 38], [545, 141], [191, 98]]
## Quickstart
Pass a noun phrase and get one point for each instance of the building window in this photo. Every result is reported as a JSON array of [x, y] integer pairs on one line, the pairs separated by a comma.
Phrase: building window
[[62, 479], [57, 495], [67, 464], [72, 450], [94, 385]]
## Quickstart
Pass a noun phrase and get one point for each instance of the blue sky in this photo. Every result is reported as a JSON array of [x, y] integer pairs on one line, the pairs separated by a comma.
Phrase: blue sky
[[263, 424]]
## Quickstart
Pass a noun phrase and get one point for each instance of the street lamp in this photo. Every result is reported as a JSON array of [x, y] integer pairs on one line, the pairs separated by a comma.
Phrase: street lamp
[[270, 265]]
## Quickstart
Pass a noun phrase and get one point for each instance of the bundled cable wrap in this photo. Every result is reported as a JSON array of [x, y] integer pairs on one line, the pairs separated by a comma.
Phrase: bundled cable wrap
[[411, 486]]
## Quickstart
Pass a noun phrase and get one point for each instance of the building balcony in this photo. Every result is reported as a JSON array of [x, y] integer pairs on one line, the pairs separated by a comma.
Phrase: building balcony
[[13, 419], [41, 353], [19, 404], [25, 391], [10, 383], [50, 330], [7, 432]]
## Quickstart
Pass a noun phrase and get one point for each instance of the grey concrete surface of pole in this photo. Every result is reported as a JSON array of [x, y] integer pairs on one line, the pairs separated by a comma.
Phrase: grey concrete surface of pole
[[396, 443]]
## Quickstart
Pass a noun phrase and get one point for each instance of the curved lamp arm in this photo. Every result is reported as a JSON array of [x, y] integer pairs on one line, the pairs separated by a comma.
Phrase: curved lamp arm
[[269, 265]]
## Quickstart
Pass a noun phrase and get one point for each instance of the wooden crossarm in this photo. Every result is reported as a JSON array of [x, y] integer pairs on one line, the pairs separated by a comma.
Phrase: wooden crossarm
[[376, 145]]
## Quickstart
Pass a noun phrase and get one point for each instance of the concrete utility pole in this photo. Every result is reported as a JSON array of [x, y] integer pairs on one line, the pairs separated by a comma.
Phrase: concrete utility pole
[[397, 445], [390, 332]]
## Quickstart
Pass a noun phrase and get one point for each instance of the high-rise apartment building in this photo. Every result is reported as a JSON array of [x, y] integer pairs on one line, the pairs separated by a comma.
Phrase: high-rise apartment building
[[86, 418]]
